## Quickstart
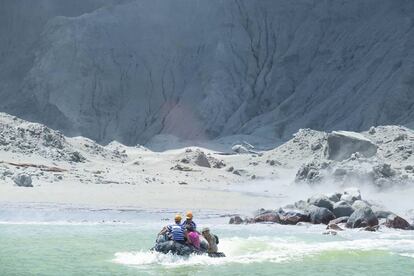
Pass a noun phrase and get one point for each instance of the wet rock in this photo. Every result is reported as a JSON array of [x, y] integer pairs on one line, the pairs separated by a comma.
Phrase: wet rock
[[293, 217], [268, 217], [342, 144], [382, 214], [330, 232], [334, 226], [372, 228], [236, 220], [362, 218], [321, 201], [342, 209], [23, 180], [339, 220], [320, 215], [397, 222]]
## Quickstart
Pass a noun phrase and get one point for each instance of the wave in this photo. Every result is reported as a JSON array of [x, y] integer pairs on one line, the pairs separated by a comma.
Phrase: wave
[[268, 249]]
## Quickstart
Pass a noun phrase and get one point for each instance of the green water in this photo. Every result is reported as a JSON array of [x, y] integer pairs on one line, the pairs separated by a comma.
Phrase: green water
[[50, 249]]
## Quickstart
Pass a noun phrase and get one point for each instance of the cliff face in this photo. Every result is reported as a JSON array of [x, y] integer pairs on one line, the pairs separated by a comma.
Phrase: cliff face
[[129, 70]]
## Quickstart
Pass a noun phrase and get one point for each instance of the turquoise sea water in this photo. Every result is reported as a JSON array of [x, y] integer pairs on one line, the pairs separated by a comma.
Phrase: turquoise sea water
[[67, 248]]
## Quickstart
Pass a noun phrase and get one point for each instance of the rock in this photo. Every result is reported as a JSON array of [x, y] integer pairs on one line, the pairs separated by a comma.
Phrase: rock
[[273, 162], [339, 220], [76, 157], [397, 222], [362, 218], [321, 201], [330, 232], [23, 180], [240, 149], [262, 211], [372, 228], [342, 208], [382, 214], [372, 130], [293, 217], [384, 170], [359, 204], [320, 215], [351, 195], [240, 172], [301, 205], [342, 144], [310, 172], [335, 197], [236, 220], [178, 167], [230, 169], [334, 226], [268, 217], [409, 168], [201, 159]]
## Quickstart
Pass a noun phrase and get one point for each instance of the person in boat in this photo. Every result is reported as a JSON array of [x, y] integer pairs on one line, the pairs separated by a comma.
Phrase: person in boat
[[175, 231], [189, 221], [193, 237], [211, 239]]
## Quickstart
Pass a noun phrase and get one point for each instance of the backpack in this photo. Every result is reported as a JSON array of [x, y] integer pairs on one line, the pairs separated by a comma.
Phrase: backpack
[[217, 239]]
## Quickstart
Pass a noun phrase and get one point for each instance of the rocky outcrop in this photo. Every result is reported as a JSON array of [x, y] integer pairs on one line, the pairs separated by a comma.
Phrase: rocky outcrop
[[360, 215], [342, 144]]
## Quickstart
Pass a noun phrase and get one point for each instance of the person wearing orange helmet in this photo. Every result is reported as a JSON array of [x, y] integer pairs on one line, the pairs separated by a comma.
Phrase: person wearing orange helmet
[[189, 221]]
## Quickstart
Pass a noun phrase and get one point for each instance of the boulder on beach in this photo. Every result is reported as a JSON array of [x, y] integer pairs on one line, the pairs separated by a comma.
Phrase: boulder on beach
[[320, 215], [236, 220], [381, 214], [339, 220], [359, 204], [342, 144], [350, 195], [342, 208], [293, 217], [321, 201], [362, 218], [397, 222], [334, 197], [267, 217], [23, 180]]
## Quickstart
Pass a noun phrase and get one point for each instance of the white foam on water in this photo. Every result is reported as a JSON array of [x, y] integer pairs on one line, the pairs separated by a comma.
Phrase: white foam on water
[[266, 249]]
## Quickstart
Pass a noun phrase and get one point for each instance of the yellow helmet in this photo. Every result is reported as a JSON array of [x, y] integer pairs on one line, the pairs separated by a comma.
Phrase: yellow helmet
[[177, 217]]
